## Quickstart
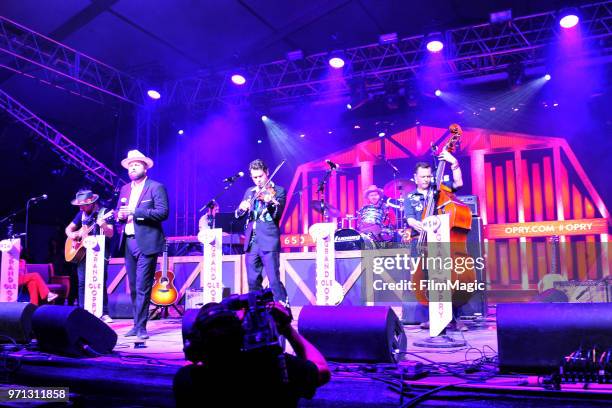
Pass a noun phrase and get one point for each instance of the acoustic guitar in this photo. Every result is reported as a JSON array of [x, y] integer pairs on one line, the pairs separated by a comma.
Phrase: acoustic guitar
[[74, 251], [164, 293]]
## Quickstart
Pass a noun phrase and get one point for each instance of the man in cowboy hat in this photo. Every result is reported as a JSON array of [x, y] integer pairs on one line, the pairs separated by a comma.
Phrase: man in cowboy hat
[[90, 213], [143, 205], [373, 195]]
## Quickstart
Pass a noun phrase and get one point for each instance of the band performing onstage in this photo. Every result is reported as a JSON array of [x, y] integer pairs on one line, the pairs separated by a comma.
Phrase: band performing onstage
[[236, 203]]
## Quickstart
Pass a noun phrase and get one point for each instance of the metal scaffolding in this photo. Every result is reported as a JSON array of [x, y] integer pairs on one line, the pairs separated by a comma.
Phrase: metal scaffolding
[[469, 52], [34, 55], [67, 150]]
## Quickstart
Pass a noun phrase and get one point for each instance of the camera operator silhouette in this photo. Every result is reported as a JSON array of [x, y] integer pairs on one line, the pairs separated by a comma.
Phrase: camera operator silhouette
[[237, 354]]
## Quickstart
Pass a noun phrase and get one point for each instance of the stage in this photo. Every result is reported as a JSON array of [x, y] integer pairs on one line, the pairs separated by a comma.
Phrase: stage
[[143, 376]]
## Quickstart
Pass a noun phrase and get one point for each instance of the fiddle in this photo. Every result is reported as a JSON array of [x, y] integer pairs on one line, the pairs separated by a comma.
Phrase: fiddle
[[266, 195]]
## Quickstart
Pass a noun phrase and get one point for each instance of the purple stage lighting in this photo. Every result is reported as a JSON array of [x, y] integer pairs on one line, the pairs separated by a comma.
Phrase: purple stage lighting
[[238, 79], [349, 106], [259, 141], [264, 118], [181, 131], [336, 62], [569, 21], [153, 94], [381, 134], [547, 77], [438, 92]]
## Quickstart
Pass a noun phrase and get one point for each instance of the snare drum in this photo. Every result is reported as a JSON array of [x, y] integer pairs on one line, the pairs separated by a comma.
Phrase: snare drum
[[348, 240]]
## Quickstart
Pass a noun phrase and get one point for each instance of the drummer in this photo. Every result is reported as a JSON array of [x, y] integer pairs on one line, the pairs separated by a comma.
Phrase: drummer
[[373, 217]]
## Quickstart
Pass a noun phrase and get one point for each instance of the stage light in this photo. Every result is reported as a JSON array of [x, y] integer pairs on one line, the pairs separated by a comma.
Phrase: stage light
[[264, 118], [238, 79], [329, 132], [336, 59], [438, 92], [302, 135], [295, 55], [434, 42], [259, 141], [181, 131], [381, 134], [356, 127], [153, 94], [500, 17], [390, 38], [568, 18], [349, 106], [547, 77], [336, 62]]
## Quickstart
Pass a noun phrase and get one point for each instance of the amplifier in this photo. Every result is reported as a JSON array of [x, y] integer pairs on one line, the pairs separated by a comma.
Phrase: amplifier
[[591, 291], [194, 297], [472, 202]]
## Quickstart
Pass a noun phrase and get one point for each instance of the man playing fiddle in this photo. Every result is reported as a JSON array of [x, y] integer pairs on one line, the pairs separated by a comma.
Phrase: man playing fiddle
[[263, 208]]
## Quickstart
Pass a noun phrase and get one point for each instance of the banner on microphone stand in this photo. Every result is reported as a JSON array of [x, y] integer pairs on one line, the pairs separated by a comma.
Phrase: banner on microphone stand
[[94, 274], [210, 279], [9, 274]]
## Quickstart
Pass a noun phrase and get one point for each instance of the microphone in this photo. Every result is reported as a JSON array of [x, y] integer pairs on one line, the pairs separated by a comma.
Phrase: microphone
[[332, 165], [233, 178], [39, 198]]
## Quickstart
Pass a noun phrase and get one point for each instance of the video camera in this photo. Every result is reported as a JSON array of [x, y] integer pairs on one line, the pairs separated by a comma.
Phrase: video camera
[[260, 330]]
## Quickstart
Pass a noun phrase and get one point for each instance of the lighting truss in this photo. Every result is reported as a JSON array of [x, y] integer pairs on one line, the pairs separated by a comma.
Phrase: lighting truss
[[469, 52], [34, 55], [67, 150]]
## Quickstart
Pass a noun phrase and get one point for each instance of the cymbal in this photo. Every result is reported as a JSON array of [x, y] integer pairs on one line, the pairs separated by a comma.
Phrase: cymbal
[[398, 188], [332, 211]]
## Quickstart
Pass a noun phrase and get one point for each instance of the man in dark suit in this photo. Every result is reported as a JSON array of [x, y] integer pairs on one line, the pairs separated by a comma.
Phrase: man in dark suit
[[143, 205], [262, 233]]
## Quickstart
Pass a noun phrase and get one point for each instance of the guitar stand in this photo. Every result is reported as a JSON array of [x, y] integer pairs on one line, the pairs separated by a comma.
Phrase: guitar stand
[[162, 311]]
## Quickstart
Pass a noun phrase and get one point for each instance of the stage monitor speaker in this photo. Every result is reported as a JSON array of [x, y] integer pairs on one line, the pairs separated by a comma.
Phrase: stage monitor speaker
[[71, 331], [534, 337], [354, 333], [16, 322]]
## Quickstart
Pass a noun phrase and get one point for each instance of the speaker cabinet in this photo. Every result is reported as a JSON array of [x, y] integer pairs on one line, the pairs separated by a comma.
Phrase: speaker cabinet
[[71, 331], [16, 322], [353, 333], [534, 337]]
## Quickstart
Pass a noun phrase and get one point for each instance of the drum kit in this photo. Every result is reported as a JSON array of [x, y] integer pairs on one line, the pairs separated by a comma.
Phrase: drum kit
[[373, 226]]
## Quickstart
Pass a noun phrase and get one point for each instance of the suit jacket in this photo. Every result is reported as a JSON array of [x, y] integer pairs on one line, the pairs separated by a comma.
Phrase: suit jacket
[[267, 232], [151, 210]]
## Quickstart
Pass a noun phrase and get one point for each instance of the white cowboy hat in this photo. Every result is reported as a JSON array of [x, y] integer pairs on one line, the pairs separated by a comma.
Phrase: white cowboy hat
[[135, 155]]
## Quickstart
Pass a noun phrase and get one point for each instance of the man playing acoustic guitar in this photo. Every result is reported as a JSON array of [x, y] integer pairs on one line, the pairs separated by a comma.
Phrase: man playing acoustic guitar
[[90, 220]]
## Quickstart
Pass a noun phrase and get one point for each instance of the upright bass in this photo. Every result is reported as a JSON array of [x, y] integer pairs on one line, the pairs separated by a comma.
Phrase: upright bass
[[441, 200]]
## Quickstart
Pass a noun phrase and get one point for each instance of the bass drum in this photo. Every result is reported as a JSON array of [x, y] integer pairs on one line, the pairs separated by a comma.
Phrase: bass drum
[[349, 240]]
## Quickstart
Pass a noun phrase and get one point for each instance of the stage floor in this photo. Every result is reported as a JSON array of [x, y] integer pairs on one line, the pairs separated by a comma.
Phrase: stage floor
[[143, 376]]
